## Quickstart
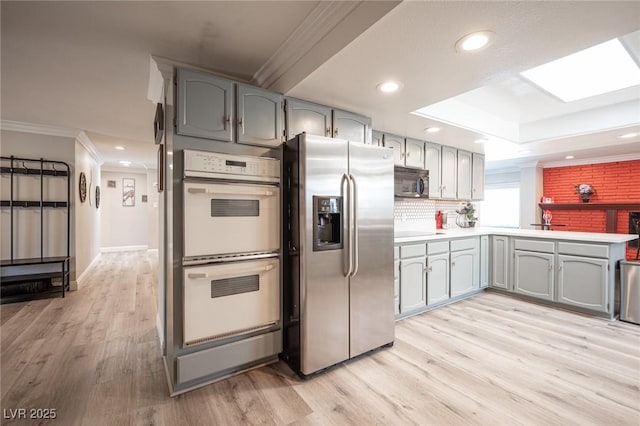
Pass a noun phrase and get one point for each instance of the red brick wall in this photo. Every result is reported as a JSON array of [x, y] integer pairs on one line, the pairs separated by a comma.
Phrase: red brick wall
[[618, 181]]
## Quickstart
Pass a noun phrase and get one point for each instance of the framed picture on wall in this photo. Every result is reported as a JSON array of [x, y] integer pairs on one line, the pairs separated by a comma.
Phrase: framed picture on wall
[[128, 192]]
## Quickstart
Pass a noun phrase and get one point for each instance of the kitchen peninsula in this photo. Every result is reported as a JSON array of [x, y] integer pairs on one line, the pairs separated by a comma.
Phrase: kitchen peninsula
[[573, 270]]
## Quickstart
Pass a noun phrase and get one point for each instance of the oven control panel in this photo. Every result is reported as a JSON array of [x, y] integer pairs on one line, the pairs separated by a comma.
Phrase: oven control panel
[[215, 165]]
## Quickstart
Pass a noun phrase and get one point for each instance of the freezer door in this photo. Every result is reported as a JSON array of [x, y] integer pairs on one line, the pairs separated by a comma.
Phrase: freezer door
[[324, 288], [371, 288]]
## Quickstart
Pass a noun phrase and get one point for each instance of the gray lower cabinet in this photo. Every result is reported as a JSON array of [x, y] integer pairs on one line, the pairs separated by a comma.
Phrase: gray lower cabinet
[[413, 289], [437, 278], [484, 261], [533, 274], [352, 127], [396, 286], [307, 117], [583, 282], [205, 106], [499, 277], [259, 116], [207, 109], [463, 272]]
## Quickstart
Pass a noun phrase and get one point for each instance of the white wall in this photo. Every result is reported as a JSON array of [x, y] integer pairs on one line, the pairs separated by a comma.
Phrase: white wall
[[87, 216], [153, 221], [125, 226]]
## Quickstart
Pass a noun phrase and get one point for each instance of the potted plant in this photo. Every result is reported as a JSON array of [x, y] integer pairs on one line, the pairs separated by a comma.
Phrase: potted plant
[[585, 191], [466, 215]]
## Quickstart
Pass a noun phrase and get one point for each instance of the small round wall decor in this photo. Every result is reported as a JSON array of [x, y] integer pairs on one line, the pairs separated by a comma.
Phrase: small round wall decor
[[97, 196], [83, 187]]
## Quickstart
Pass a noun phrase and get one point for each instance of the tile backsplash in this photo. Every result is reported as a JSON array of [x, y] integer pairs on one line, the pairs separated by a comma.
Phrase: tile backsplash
[[417, 215]]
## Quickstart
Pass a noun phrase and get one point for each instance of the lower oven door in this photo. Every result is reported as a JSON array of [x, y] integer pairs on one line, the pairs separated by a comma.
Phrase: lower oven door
[[225, 218], [230, 298]]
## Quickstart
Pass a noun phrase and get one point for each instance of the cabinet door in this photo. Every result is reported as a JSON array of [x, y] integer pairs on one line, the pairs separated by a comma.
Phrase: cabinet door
[[464, 175], [432, 154], [205, 106], [396, 286], [500, 262], [583, 281], [259, 116], [307, 117], [397, 144], [376, 138], [477, 190], [412, 284], [437, 278], [463, 272], [414, 153], [352, 127], [449, 172], [484, 261], [533, 274]]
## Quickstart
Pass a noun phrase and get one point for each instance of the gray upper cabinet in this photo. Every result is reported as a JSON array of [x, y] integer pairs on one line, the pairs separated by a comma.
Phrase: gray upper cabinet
[[376, 138], [477, 190], [259, 116], [205, 106], [414, 153], [449, 172], [432, 154], [307, 117], [397, 144], [464, 175], [352, 127]]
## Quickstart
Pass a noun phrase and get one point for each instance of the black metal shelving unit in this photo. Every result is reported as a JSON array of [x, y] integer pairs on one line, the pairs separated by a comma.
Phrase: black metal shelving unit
[[15, 167]]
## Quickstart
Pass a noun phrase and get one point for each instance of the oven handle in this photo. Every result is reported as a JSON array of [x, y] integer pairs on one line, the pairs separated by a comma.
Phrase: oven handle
[[195, 190], [228, 274]]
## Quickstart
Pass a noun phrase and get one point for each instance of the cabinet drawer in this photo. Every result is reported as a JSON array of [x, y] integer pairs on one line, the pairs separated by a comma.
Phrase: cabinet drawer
[[396, 252], [438, 247], [413, 250], [534, 245], [466, 244], [588, 250]]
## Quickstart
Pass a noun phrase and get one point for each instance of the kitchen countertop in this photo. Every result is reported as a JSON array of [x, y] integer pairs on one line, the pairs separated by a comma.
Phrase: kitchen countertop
[[442, 234]]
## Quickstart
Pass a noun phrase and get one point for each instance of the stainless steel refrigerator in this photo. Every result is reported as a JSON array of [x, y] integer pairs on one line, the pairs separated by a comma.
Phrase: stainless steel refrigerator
[[338, 235]]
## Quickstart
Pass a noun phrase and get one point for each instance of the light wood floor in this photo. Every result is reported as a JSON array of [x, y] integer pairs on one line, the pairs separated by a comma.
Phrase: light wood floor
[[491, 360]]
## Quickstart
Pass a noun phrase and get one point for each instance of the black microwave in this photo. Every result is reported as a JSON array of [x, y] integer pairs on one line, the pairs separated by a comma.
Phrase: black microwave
[[411, 183]]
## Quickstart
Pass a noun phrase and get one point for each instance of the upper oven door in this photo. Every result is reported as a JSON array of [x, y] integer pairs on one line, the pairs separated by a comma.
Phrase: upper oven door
[[230, 218], [411, 183]]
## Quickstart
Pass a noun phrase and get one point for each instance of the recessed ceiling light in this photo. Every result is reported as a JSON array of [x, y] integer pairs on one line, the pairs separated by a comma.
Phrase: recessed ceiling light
[[475, 41], [432, 129], [125, 163], [569, 157], [388, 87], [600, 69], [120, 148], [628, 135]]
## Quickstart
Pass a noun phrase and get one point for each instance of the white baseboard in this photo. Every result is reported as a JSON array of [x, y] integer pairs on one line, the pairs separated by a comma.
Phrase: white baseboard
[[75, 285], [122, 248]]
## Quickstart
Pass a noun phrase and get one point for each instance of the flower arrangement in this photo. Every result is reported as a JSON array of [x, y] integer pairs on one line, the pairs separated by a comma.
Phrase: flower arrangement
[[468, 215], [585, 191]]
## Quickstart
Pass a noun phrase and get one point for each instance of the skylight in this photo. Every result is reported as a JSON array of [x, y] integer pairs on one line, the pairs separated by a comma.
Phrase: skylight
[[599, 69]]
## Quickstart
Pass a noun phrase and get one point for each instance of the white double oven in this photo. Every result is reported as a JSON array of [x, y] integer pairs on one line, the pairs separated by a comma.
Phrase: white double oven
[[231, 245]]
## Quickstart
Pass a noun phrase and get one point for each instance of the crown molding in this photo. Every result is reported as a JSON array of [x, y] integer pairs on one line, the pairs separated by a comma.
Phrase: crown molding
[[87, 143], [320, 22], [39, 129], [598, 160]]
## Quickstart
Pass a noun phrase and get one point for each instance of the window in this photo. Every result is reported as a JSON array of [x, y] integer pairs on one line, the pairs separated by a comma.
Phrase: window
[[501, 207]]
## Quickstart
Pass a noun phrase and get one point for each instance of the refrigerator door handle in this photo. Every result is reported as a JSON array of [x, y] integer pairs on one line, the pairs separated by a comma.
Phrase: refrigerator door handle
[[355, 227], [348, 262]]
